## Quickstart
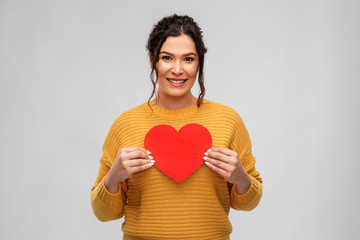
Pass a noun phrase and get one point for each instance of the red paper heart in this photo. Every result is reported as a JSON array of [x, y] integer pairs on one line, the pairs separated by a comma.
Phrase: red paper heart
[[178, 154]]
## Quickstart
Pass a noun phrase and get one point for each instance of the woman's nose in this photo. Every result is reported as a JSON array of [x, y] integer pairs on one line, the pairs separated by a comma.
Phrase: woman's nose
[[177, 68]]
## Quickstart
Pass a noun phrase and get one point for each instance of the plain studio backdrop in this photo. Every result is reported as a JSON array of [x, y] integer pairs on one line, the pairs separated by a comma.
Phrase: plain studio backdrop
[[290, 68]]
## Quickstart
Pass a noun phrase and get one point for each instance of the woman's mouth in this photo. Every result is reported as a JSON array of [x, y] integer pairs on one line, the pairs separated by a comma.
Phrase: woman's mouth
[[176, 81]]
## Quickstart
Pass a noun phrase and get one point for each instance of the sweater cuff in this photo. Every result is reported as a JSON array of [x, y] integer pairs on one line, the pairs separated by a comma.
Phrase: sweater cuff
[[108, 198], [243, 199]]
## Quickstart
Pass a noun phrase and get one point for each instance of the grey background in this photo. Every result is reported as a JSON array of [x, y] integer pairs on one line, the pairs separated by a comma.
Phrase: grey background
[[290, 68]]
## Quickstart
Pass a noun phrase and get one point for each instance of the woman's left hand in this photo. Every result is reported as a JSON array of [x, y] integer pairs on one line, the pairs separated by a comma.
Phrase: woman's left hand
[[227, 164]]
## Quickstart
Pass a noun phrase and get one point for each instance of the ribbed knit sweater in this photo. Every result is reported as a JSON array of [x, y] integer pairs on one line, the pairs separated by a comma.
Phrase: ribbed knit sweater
[[157, 207]]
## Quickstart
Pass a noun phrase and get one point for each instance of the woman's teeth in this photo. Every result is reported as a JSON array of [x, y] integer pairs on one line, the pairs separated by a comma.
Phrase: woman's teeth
[[176, 81]]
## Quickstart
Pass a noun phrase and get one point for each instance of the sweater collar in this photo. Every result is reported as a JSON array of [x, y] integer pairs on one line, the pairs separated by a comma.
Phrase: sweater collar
[[178, 113]]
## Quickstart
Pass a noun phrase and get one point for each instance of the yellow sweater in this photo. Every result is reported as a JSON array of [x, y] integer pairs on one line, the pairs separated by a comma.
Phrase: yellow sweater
[[157, 207]]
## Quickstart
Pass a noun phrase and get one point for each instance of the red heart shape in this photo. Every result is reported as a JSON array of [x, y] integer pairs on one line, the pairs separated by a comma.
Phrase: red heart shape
[[178, 154]]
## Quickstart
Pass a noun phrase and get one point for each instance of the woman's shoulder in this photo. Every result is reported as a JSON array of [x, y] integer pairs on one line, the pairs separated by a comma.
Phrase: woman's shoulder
[[221, 109], [228, 116], [130, 115]]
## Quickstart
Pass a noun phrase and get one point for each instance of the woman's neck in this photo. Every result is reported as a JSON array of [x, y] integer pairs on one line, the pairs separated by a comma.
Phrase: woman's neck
[[173, 103]]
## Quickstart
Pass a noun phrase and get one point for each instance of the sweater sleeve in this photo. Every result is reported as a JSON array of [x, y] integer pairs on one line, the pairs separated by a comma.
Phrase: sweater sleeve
[[106, 206], [241, 143]]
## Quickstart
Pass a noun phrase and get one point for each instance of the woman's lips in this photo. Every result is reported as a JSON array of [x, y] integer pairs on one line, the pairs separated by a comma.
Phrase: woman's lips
[[176, 82]]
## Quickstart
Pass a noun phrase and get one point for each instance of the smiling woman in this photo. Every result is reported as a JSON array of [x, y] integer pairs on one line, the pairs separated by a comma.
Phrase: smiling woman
[[175, 165], [182, 37], [177, 72]]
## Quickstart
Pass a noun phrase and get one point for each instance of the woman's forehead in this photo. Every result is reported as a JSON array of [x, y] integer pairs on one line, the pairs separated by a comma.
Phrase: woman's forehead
[[182, 44]]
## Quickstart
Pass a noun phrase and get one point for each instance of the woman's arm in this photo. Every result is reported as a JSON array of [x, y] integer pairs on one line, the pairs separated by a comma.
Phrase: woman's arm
[[107, 198], [250, 199], [237, 165], [243, 179], [106, 205]]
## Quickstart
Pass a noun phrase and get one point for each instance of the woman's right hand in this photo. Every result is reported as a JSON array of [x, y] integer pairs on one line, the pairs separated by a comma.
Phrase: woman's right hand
[[128, 161]]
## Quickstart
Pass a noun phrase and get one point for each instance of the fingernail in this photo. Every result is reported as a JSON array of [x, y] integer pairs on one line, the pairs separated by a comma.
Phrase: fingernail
[[150, 157], [207, 164], [150, 164], [205, 158], [206, 153], [148, 152], [209, 150], [152, 161]]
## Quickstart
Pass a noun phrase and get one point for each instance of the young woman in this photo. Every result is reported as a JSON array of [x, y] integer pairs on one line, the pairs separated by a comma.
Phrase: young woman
[[175, 165]]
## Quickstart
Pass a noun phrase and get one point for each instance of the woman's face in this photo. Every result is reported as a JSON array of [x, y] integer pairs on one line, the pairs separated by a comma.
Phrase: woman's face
[[177, 67]]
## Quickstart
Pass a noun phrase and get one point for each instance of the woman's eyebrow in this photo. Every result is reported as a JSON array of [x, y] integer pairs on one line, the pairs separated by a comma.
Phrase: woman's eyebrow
[[187, 54]]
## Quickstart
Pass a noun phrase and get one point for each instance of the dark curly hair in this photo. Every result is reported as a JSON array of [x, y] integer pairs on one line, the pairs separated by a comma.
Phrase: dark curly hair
[[176, 25]]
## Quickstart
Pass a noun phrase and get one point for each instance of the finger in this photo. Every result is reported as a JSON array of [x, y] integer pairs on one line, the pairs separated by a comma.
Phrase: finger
[[136, 154], [141, 167], [218, 156], [217, 170], [217, 163], [138, 162], [225, 151]]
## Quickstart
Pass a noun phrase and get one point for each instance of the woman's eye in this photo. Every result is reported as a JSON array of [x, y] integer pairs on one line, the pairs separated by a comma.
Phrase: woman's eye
[[189, 59], [167, 58]]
